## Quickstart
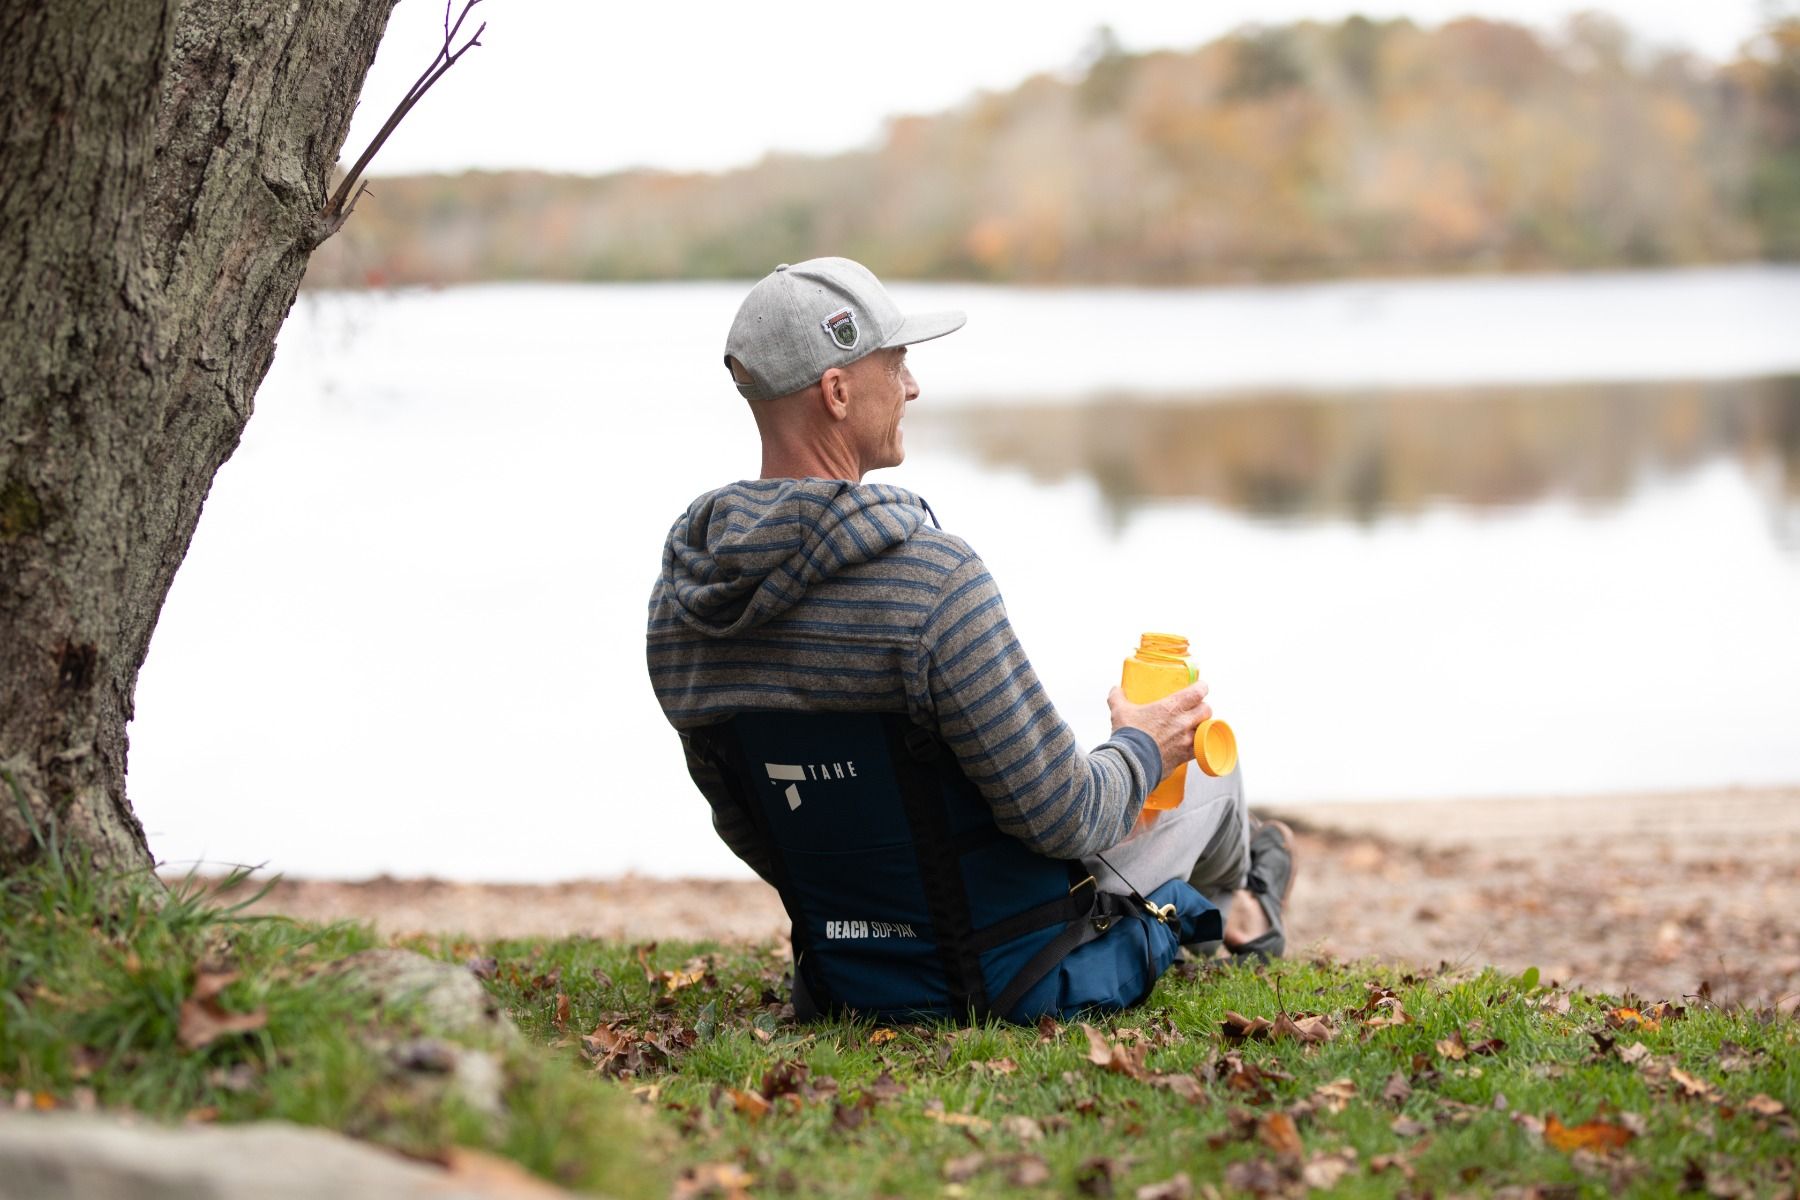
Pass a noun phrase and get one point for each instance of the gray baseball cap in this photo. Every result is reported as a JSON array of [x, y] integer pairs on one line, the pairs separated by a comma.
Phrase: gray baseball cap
[[800, 320]]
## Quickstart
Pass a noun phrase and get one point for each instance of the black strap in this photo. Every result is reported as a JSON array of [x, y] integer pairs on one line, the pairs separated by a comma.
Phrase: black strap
[[1106, 909], [917, 758], [1063, 909]]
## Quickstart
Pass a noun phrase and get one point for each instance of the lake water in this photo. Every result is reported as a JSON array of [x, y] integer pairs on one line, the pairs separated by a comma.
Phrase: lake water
[[1452, 538]]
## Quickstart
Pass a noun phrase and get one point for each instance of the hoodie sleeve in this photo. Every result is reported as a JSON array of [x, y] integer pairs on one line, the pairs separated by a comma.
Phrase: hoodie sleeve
[[1007, 736]]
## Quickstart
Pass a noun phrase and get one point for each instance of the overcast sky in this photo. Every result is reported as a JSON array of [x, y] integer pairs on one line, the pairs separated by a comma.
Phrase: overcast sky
[[575, 85]]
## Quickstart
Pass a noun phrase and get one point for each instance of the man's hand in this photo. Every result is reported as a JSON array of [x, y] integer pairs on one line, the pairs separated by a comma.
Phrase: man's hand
[[1170, 722]]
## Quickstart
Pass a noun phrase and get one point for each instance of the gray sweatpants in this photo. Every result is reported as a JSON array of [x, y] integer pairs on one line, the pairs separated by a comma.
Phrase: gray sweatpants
[[1204, 840]]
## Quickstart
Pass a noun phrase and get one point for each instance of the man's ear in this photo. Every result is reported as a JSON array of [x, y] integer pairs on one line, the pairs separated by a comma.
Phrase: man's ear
[[834, 385]]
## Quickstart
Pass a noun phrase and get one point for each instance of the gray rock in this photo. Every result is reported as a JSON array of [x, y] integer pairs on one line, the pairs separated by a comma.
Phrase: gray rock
[[480, 1081], [447, 997], [60, 1155], [435, 1064]]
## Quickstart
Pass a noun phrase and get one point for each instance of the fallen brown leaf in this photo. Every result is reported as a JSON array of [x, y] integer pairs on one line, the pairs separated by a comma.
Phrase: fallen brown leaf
[[963, 1167], [1302, 1029], [1095, 1176], [1383, 1008], [1176, 1187], [880, 1036], [1325, 1170], [1026, 1129], [1397, 1090], [1257, 1176], [715, 1181], [1115, 1056], [1336, 1095], [885, 1087], [1388, 1012], [687, 976], [749, 1105], [960, 1120], [1765, 1106], [1453, 1047], [1237, 1027], [784, 1077], [1533, 1126], [1692, 1087], [1382, 1163], [1247, 1078], [203, 1020], [1185, 1086], [1027, 1170], [848, 1117], [561, 1020], [1631, 1018], [1599, 1136], [1733, 1057], [208, 984], [1278, 1132]]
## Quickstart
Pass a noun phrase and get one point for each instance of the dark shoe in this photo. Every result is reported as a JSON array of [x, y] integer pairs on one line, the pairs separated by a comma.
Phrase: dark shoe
[[1271, 881]]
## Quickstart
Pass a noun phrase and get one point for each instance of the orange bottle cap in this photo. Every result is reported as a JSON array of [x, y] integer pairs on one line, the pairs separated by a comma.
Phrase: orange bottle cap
[[1215, 747]]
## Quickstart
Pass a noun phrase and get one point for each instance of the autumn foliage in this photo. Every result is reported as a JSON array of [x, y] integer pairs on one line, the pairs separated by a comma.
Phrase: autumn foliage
[[1305, 150]]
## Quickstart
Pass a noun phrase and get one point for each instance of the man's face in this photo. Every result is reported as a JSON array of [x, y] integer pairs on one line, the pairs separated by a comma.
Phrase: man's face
[[883, 388]]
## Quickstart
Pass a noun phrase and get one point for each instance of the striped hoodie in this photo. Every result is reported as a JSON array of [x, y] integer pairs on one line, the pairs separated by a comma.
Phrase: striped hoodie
[[823, 595]]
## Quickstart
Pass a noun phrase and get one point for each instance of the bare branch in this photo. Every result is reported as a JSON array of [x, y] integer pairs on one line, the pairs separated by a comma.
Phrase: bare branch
[[337, 210]]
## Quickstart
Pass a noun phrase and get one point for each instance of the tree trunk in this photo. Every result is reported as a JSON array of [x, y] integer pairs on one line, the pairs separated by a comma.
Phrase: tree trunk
[[163, 164]]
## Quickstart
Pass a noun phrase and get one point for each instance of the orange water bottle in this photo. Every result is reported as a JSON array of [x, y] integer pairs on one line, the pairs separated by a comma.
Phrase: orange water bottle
[[1159, 668]]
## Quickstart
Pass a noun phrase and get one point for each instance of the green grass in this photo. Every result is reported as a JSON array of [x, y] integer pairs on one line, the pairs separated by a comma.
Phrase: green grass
[[95, 972], [674, 1067], [1476, 1123]]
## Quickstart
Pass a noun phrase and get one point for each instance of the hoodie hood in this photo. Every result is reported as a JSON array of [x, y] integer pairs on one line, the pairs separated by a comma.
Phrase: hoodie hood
[[744, 554]]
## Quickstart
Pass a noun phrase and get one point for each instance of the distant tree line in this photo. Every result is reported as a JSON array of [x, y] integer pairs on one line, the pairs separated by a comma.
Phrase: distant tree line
[[1296, 151]]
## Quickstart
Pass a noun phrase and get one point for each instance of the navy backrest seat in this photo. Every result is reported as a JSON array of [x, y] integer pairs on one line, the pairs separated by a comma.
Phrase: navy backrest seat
[[908, 901]]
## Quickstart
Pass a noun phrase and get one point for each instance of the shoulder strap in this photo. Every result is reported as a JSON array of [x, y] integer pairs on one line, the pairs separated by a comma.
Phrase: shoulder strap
[[925, 767], [1104, 909], [917, 756]]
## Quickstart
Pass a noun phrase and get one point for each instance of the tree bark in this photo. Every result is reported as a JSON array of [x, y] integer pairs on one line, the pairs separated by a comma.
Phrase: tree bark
[[163, 164]]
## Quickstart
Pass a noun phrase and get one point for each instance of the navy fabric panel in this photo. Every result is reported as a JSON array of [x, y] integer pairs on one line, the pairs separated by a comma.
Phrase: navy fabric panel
[[1003, 878], [889, 979], [1119, 969], [1001, 963], [967, 810], [836, 890], [847, 796], [827, 790]]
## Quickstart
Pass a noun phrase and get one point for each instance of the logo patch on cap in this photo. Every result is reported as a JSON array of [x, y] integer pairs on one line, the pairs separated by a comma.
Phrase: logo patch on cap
[[840, 326]]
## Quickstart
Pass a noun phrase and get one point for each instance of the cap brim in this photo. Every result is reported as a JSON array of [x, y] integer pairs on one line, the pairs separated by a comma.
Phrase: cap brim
[[922, 327]]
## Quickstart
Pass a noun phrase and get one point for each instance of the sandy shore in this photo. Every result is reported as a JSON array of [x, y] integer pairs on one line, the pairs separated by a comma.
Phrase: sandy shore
[[1654, 894]]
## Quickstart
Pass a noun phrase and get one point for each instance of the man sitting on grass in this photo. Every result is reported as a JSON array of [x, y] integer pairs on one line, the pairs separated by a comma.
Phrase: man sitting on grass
[[806, 591]]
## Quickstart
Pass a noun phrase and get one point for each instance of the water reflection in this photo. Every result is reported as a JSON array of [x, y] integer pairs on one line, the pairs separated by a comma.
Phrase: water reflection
[[1363, 456]]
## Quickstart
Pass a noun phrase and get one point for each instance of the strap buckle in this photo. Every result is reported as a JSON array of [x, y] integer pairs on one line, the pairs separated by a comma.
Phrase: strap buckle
[[1166, 914], [921, 743], [1077, 887]]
